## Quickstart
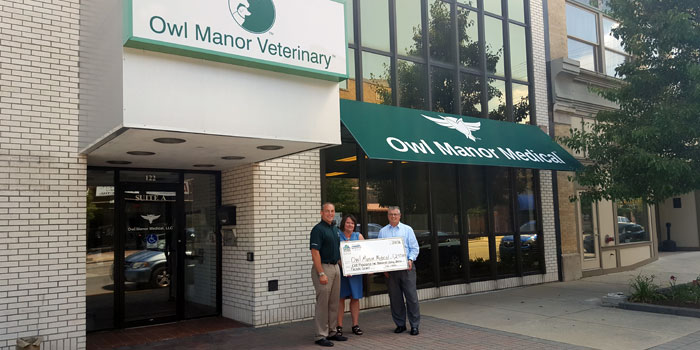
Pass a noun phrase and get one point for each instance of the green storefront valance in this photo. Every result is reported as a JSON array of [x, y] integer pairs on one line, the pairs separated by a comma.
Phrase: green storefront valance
[[394, 133]]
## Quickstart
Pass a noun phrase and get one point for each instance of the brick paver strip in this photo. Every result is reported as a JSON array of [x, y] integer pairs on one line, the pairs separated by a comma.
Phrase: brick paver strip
[[435, 334]]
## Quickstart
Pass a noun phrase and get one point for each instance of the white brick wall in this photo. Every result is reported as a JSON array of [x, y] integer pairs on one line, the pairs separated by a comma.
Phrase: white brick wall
[[277, 203], [42, 176], [541, 111]]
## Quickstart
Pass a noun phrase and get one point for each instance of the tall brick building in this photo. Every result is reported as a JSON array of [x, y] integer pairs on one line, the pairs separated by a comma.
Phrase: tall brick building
[[163, 162]]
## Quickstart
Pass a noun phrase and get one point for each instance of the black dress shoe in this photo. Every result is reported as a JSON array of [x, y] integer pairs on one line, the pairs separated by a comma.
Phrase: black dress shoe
[[337, 337], [324, 342], [400, 329], [414, 331]]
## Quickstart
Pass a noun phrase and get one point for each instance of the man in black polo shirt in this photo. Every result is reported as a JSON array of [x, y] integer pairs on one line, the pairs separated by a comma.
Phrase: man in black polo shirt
[[325, 253]]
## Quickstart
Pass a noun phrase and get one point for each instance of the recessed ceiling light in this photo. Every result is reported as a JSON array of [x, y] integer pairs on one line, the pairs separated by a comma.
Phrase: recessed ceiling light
[[141, 153], [270, 147], [118, 162], [204, 165], [232, 158], [169, 140]]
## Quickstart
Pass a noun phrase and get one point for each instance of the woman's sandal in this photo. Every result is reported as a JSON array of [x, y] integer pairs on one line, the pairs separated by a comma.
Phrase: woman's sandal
[[339, 331], [356, 329]]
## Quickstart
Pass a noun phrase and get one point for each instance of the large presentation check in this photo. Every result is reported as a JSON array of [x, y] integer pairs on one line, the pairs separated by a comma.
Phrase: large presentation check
[[373, 255]]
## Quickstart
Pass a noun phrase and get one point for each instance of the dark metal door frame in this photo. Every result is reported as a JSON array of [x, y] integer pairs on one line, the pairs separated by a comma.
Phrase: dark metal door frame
[[119, 259]]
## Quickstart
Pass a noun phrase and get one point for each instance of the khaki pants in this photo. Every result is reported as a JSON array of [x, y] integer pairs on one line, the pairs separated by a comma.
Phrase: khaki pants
[[327, 297]]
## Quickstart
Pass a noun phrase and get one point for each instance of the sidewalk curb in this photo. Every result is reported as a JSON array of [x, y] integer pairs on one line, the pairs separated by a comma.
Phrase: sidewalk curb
[[660, 309]]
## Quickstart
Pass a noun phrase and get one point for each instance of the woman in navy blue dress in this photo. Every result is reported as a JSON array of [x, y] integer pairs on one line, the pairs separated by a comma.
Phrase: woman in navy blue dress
[[350, 287]]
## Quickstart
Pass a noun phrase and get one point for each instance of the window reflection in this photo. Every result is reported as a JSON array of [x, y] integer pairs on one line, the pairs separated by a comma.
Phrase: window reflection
[[499, 186], [610, 41], [521, 104], [408, 28], [375, 24], [471, 3], [493, 6], [443, 181], [505, 251], [349, 21], [516, 10], [588, 231], [497, 99], [100, 250], [443, 90], [381, 193], [348, 90], [527, 220], [469, 52], [494, 45], [376, 71], [415, 213], [632, 221], [342, 174], [412, 81], [200, 245], [583, 53], [479, 257], [612, 61], [474, 206], [441, 31], [518, 52], [470, 95], [581, 24]]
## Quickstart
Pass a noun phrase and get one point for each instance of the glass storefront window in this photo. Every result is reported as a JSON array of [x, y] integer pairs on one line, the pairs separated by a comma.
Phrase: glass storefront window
[[375, 24], [497, 99], [348, 90], [469, 52], [349, 21], [342, 180], [441, 31], [470, 3], [474, 205], [376, 71], [201, 235], [408, 28], [499, 189], [381, 194], [527, 217], [415, 213], [443, 182], [479, 258], [521, 104], [518, 52], [412, 80], [100, 250], [632, 221], [493, 27], [470, 95], [443, 90], [516, 10], [493, 6]]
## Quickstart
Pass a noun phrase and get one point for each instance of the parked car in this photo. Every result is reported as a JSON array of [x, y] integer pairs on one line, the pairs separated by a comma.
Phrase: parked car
[[528, 241], [372, 230], [630, 232], [147, 267]]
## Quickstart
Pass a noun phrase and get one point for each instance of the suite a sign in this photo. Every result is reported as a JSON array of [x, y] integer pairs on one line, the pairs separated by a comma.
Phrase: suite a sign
[[305, 37]]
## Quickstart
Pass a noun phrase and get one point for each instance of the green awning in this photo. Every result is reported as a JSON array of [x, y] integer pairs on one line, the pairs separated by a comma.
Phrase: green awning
[[394, 133]]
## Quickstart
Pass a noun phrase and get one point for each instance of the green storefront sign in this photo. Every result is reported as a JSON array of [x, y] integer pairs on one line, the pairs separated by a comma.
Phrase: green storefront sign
[[394, 133]]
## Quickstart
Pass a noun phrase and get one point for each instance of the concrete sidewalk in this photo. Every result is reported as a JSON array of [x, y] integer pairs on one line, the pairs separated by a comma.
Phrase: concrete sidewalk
[[550, 316]]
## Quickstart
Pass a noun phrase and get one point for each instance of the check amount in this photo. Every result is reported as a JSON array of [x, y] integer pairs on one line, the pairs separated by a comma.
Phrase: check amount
[[373, 255]]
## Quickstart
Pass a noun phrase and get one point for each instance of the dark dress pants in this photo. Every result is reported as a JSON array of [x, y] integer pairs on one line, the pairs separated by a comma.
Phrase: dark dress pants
[[403, 284]]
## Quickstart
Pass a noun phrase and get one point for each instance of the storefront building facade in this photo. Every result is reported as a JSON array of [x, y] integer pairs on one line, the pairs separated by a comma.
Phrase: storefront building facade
[[157, 167], [606, 236]]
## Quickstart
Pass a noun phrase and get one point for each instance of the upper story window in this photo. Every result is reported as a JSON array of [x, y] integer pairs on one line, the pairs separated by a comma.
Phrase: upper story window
[[590, 40], [464, 57]]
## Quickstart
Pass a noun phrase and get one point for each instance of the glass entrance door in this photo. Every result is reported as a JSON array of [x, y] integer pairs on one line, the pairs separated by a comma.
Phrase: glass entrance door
[[151, 242], [588, 230]]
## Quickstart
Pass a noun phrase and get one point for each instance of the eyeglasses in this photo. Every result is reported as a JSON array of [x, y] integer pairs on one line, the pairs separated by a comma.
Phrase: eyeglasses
[[394, 214]]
